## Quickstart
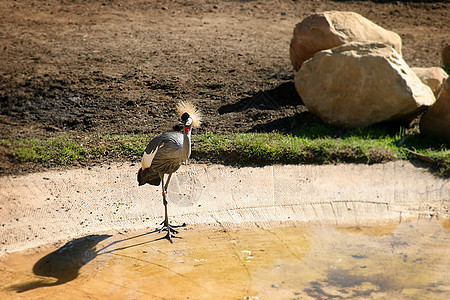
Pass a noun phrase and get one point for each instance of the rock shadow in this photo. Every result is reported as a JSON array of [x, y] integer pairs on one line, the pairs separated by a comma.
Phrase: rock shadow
[[290, 124], [281, 96]]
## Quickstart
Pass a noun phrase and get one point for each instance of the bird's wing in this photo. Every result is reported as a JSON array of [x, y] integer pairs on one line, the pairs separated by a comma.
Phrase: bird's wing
[[158, 142], [150, 152]]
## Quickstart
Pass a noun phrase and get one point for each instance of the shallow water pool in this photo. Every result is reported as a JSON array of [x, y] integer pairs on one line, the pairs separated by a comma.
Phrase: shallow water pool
[[407, 260]]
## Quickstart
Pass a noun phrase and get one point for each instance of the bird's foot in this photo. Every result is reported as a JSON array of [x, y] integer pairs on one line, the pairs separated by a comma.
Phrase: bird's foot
[[170, 230]]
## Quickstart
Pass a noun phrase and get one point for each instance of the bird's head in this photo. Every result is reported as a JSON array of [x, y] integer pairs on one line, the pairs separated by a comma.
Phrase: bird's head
[[189, 116], [185, 121]]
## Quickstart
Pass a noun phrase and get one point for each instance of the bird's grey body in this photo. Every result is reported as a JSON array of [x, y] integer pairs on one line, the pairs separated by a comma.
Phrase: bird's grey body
[[164, 155]]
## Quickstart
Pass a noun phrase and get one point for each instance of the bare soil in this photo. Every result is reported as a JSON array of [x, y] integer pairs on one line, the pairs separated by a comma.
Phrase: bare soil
[[115, 67]]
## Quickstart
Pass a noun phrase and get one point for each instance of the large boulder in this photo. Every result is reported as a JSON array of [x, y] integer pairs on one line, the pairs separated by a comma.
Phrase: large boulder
[[436, 121], [433, 77], [334, 28], [359, 84]]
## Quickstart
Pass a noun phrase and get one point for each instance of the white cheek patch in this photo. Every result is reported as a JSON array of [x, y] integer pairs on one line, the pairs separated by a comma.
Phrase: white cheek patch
[[147, 158]]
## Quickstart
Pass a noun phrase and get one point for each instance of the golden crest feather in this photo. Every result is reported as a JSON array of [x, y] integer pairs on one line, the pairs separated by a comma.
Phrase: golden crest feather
[[186, 106]]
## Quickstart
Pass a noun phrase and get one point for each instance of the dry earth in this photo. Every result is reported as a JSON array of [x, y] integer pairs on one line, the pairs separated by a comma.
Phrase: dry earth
[[120, 66]]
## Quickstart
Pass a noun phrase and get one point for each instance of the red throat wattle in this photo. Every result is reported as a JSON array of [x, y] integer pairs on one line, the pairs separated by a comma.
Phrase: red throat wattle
[[186, 129]]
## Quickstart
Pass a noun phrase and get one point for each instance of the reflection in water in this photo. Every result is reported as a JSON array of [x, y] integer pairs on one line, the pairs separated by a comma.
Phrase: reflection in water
[[340, 283], [64, 263], [375, 231], [409, 260]]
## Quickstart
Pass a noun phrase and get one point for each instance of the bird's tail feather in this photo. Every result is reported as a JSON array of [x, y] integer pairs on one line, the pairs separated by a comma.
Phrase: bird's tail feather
[[148, 176]]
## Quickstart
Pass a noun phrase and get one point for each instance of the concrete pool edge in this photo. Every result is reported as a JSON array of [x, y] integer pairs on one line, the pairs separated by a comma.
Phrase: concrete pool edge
[[52, 206]]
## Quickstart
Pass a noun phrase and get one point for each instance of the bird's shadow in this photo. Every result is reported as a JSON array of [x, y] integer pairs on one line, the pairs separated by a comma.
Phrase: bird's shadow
[[65, 263]]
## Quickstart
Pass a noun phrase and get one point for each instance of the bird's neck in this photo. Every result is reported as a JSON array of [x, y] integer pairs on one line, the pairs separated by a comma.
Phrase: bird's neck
[[187, 142]]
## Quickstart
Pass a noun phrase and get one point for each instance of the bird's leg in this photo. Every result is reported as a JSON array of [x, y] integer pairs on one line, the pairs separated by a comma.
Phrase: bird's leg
[[164, 194], [167, 182], [167, 227], [165, 188]]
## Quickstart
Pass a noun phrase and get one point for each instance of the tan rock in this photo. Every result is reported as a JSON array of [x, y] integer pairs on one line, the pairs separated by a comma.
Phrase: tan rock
[[446, 56], [359, 84], [334, 28], [436, 121], [433, 77]]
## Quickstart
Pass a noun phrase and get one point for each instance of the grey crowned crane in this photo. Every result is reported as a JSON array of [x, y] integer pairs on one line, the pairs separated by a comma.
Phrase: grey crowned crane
[[164, 155]]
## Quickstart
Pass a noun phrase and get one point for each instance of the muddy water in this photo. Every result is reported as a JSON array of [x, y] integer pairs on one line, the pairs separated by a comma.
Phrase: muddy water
[[406, 260]]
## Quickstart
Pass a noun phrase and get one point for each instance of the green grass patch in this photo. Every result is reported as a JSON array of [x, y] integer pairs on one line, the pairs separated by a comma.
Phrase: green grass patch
[[263, 148], [65, 150], [61, 150], [317, 144]]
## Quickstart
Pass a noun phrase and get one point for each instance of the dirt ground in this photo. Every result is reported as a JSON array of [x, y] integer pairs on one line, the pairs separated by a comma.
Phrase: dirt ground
[[120, 66]]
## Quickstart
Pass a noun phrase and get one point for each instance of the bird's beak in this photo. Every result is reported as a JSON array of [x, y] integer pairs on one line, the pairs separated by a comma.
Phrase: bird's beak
[[188, 122], [182, 124], [179, 126]]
